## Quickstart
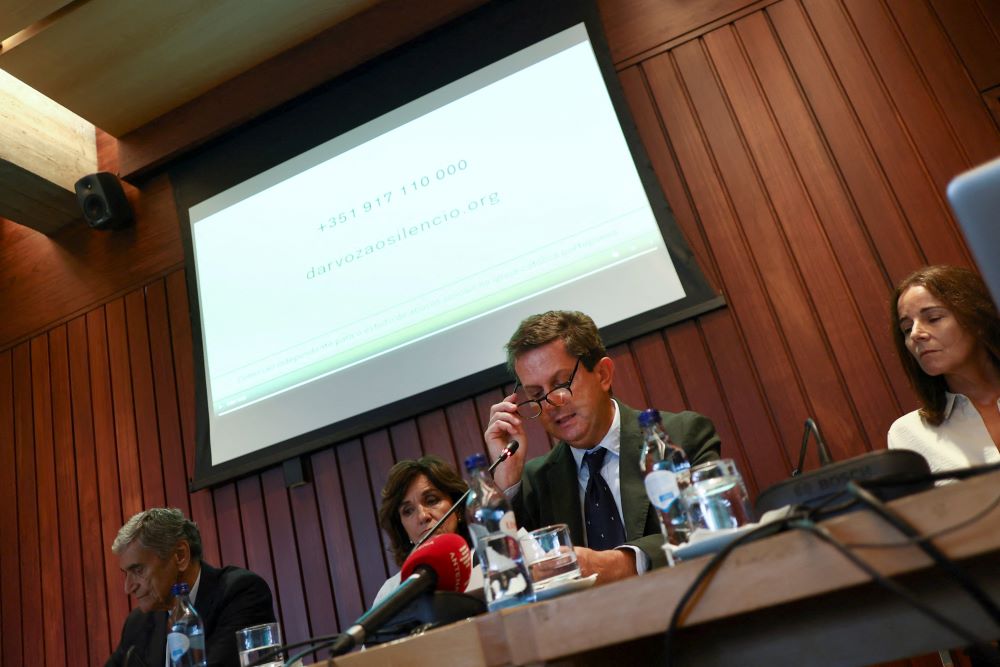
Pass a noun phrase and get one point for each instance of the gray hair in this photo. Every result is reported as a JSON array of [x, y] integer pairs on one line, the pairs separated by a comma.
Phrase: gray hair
[[159, 529]]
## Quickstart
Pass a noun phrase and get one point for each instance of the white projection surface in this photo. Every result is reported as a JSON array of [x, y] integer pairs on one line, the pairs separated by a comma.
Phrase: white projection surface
[[401, 255]]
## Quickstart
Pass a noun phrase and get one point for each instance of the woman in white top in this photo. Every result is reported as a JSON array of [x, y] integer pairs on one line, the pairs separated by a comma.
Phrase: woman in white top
[[417, 493], [947, 335]]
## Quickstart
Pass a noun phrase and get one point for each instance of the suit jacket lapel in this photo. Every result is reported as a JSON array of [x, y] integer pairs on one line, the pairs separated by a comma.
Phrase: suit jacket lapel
[[635, 502], [208, 595], [563, 483]]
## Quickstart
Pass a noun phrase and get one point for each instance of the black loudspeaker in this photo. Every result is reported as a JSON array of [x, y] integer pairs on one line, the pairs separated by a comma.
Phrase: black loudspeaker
[[103, 201]]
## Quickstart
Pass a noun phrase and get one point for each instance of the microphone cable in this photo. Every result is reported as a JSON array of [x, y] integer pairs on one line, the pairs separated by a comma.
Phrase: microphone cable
[[328, 642], [892, 586], [271, 654], [704, 577], [804, 519]]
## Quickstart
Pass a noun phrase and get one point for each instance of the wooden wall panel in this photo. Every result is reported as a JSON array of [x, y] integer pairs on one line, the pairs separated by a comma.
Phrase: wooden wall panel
[[288, 575], [10, 552], [47, 280], [93, 542], [68, 529], [803, 145], [31, 610], [973, 26], [48, 510], [317, 587], [336, 534], [108, 478]]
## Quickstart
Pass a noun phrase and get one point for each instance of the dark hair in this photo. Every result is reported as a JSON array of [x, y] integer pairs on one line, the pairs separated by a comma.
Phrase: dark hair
[[159, 529], [576, 330], [441, 475], [963, 292]]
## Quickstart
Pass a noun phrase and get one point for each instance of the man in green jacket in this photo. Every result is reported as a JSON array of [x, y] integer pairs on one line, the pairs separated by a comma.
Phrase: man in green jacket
[[564, 379]]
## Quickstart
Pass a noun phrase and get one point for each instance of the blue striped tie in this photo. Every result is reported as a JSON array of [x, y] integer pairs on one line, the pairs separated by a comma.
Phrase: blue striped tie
[[604, 527]]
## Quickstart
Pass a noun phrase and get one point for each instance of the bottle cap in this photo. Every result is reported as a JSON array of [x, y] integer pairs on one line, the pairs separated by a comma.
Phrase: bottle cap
[[477, 460], [180, 589], [649, 417]]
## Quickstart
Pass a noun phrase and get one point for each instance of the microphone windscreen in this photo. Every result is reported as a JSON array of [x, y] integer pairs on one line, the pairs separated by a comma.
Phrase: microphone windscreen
[[449, 556]]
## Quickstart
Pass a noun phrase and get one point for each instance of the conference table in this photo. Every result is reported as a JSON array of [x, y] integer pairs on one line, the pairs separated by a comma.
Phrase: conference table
[[788, 599]]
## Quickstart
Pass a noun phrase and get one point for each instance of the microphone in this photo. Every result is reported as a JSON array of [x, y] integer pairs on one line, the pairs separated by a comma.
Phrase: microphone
[[507, 452], [443, 563], [824, 453]]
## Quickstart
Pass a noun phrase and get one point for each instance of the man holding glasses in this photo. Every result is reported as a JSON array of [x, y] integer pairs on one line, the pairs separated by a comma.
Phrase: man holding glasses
[[564, 379]]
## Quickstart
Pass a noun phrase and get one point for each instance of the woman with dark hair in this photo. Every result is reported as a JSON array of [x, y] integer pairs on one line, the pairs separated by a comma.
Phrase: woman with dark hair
[[947, 335], [417, 494]]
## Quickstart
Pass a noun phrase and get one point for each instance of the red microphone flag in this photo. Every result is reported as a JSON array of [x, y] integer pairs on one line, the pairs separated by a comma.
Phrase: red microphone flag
[[449, 556]]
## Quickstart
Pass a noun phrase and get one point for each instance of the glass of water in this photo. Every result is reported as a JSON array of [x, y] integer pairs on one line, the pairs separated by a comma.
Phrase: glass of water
[[254, 642], [506, 579], [716, 498], [550, 555]]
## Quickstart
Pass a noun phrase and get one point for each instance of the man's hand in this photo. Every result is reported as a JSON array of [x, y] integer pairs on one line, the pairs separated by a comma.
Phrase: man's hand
[[505, 425], [609, 566]]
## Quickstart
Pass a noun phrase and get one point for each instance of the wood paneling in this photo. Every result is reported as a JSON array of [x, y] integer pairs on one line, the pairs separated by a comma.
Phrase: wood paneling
[[803, 145], [48, 280]]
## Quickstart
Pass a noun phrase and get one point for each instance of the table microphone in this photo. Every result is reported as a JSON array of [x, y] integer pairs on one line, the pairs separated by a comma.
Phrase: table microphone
[[507, 452], [444, 563]]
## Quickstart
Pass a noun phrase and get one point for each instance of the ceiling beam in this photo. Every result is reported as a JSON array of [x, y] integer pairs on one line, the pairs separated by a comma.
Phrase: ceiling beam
[[44, 150]]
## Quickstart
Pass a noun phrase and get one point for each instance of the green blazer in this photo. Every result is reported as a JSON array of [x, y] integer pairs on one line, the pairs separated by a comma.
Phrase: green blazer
[[550, 490]]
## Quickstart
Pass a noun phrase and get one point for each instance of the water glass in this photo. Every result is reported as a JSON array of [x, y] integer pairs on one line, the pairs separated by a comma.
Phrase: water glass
[[254, 642], [550, 555], [716, 498], [506, 581]]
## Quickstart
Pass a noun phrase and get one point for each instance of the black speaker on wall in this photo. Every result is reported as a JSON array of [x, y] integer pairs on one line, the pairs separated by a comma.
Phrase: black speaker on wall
[[103, 201]]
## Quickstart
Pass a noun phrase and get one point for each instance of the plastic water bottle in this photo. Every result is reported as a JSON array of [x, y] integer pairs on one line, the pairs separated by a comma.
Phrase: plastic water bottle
[[664, 466], [186, 640], [493, 530]]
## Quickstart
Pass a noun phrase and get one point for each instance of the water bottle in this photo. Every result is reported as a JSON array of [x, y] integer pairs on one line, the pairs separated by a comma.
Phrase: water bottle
[[186, 640], [664, 466], [493, 530]]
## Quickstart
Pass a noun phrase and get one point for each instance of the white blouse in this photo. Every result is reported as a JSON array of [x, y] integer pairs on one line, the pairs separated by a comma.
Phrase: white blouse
[[960, 441]]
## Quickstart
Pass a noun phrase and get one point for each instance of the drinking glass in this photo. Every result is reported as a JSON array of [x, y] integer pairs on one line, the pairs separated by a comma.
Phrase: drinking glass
[[716, 497], [507, 582], [254, 642], [550, 555]]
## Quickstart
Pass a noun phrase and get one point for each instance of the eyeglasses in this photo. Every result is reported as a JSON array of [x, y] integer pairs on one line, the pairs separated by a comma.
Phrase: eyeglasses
[[556, 396]]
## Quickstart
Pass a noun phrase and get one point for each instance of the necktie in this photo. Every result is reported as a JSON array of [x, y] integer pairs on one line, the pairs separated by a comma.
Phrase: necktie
[[604, 527]]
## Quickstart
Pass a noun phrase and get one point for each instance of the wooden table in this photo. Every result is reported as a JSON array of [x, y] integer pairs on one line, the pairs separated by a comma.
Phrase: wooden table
[[789, 599]]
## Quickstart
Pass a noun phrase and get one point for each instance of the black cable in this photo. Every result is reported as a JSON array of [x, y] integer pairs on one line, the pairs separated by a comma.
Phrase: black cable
[[708, 571], [950, 567], [911, 541], [320, 645], [273, 653], [819, 531], [802, 521]]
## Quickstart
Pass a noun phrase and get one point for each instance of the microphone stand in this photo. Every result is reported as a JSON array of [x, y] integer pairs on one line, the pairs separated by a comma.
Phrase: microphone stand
[[824, 453], [504, 455]]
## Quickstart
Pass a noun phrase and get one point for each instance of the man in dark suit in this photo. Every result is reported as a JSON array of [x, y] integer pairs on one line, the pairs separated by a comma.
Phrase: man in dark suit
[[160, 547], [564, 379]]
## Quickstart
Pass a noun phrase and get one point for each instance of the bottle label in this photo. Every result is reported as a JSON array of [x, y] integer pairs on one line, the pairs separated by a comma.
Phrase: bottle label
[[508, 524], [177, 645], [662, 488]]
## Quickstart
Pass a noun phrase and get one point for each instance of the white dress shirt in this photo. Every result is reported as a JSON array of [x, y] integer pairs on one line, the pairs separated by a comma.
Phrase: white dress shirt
[[612, 441], [960, 441]]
